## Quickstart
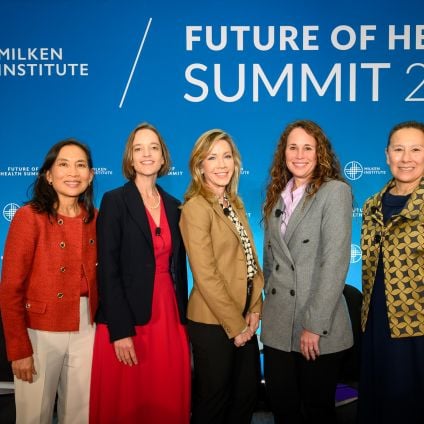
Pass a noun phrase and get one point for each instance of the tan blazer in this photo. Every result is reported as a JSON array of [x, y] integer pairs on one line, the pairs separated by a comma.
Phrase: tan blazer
[[218, 264]]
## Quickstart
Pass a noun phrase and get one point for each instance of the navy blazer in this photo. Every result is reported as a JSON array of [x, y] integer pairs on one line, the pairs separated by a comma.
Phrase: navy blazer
[[126, 269]]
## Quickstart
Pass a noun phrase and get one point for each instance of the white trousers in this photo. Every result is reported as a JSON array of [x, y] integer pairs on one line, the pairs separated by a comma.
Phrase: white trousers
[[63, 364]]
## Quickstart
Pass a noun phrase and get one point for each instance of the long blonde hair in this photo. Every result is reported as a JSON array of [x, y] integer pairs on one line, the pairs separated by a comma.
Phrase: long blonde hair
[[200, 150], [327, 168]]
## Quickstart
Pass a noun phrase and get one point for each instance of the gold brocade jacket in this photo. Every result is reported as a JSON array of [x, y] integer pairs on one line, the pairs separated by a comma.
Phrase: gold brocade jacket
[[401, 241]]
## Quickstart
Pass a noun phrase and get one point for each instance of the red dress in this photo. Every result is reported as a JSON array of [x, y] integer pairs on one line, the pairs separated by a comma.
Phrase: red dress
[[157, 390]]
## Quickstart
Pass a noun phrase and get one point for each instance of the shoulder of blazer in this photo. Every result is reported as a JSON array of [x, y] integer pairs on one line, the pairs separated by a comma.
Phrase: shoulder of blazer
[[197, 207], [27, 212], [116, 193], [197, 202], [329, 187], [334, 184], [241, 210], [171, 199]]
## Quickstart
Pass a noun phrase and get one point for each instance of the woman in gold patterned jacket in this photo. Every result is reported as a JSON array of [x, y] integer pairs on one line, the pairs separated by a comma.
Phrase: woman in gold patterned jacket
[[391, 387]]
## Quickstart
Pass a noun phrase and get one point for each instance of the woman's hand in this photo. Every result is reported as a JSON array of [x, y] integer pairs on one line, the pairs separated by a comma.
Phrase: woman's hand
[[243, 337], [252, 320], [309, 345], [24, 369], [125, 352]]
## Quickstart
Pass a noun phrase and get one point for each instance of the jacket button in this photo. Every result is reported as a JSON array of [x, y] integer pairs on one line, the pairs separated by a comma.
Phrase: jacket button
[[377, 238], [273, 291], [62, 269], [305, 241], [60, 221], [325, 332], [91, 241], [277, 267], [292, 292], [62, 244], [27, 305], [60, 295], [292, 267]]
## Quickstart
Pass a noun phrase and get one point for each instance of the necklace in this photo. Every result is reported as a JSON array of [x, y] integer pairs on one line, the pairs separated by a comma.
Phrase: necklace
[[156, 205]]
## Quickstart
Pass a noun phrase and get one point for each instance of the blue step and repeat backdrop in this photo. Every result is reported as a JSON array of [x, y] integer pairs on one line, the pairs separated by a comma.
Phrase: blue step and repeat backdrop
[[93, 70]]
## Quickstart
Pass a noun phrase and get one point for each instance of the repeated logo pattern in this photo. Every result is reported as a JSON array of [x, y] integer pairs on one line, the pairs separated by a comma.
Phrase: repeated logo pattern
[[9, 211], [355, 253], [353, 170]]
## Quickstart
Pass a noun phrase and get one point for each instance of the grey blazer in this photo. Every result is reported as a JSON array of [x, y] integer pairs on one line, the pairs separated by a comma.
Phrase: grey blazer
[[305, 271]]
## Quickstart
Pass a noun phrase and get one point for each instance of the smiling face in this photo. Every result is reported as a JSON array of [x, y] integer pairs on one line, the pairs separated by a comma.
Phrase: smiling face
[[405, 157], [70, 173], [301, 155], [218, 166], [147, 157]]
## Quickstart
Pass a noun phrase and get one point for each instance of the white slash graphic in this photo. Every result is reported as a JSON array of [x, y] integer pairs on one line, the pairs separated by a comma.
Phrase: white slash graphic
[[135, 63]]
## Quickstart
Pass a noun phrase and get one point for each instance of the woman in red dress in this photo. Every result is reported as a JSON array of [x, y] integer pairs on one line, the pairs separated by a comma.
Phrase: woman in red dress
[[141, 362]]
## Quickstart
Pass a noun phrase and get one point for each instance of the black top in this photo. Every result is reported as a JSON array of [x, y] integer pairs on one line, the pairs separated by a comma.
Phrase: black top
[[393, 204]]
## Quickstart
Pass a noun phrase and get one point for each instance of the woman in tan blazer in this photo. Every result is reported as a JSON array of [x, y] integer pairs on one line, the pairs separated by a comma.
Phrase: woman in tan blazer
[[225, 304]]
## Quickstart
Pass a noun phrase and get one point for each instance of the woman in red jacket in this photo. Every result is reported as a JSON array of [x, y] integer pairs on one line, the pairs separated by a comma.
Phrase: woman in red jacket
[[48, 293]]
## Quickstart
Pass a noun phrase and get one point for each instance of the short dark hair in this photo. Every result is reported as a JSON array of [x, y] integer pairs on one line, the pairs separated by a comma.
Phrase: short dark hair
[[407, 124]]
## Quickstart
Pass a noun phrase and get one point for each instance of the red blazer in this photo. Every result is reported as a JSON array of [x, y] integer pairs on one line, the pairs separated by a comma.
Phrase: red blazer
[[44, 261]]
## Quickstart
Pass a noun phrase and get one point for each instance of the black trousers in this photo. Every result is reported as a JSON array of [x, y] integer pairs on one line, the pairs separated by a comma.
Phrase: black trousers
[[226, 377], [301, 391]]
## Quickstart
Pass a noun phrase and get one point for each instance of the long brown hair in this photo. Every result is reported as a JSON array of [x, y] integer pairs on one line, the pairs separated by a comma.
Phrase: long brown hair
[[200, 150], [327, 168]]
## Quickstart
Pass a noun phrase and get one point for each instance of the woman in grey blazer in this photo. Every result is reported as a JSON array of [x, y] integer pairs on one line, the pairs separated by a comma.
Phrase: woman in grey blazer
[[305, 323]]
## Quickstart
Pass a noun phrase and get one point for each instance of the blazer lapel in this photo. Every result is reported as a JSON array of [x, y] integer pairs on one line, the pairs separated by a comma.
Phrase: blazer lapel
[[241, 213], [218, 209], [275, 226], [297, 216], [172, 215], [136, 209]]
